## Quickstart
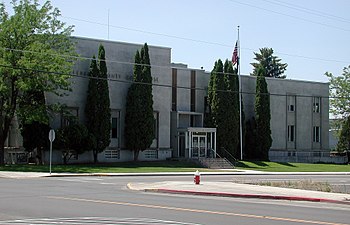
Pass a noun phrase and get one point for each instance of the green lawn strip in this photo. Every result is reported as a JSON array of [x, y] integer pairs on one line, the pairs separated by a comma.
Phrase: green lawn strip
[[125, 167], [291, 167]]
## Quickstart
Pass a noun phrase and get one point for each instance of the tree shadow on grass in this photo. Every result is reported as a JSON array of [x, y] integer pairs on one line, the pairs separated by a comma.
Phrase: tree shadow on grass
[[260, 163], [285, 164], [243, 165]]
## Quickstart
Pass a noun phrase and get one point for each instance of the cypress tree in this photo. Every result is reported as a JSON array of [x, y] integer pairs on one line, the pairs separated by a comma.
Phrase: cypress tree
[[92, 97], [250, 140], [263, 116], [91, 107], [244, 128], [218, 105], [104, 112], [208, 119], [223, 101], [231, 114], [97, 109], [139, 120]]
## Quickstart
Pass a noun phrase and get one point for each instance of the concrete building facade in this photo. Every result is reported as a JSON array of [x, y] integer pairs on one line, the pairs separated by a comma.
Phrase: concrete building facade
[[299, 109]]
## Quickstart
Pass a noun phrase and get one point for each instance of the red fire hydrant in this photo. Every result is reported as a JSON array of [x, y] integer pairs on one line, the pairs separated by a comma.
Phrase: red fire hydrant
[[197, 177]]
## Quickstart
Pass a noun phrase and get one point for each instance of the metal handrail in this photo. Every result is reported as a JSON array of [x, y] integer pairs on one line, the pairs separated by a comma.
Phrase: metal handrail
[[232, 157], [219, 156], [216, 154]]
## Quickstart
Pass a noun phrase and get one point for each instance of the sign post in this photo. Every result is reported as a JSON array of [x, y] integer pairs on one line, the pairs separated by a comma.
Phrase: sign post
[[51, 138]]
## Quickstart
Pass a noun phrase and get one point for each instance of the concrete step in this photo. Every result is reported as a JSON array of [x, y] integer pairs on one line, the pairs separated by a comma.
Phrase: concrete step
[[216, 163]]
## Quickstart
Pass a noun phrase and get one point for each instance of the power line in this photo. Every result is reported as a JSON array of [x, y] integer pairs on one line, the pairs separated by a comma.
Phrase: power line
[[203, 41], [291, 16], [214, 43], [129, 63], [112, 61], [162, 85], [149, 32], [309, 11]]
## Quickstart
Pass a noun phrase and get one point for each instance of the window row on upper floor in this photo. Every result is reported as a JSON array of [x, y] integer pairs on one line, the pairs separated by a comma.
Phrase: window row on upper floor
[[291, 104]]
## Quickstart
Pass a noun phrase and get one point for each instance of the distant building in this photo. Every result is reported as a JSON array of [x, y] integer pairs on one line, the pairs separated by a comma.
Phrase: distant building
[[299, 109]]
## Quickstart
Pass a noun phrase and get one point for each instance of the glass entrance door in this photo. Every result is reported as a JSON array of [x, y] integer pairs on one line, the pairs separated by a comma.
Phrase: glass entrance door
[[199, 146]]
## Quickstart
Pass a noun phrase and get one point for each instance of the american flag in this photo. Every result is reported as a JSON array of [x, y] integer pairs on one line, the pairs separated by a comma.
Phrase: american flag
[[235, 55]]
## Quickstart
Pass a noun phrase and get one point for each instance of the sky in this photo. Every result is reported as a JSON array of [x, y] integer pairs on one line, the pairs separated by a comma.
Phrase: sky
[[311, 36]]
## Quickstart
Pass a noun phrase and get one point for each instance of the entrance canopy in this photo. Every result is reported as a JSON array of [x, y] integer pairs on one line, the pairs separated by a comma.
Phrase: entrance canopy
[[197, 142]]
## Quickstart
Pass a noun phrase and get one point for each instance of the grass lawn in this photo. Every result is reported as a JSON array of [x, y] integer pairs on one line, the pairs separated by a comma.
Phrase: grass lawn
[[291, 167], [124, 167], [175, 166]]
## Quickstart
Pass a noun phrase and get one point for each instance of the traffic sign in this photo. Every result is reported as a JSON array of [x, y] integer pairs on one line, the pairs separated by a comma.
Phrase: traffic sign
[[52, 135], [51, 138]]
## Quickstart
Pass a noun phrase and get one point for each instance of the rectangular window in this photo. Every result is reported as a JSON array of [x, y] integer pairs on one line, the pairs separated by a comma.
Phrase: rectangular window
[[156, 130], [316, 134], [291, 133], [174, 90], [291, 153], [316, 104], [112, 154], [114, 127], [291, 108], [291, 103], [193, 91], [151, 154]]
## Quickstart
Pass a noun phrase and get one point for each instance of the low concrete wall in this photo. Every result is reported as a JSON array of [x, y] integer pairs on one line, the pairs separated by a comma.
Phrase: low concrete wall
[[109, 156], [306, 157]]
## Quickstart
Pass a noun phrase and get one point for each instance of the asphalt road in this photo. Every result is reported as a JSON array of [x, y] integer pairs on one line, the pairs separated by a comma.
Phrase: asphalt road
[[106, 200], [342, 182]]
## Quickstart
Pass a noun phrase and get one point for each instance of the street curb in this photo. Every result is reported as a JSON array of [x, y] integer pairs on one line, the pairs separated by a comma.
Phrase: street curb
[[143, 174], [202, 174], [234, 195], [159, 174]]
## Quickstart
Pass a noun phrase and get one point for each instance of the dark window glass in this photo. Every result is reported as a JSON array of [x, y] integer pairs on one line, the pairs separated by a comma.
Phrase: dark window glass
[[114, 127]]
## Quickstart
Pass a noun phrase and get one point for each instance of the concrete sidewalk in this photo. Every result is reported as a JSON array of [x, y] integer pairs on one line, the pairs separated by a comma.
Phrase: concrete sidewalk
[[224, 189], [23, 175], [231, 189], [20, 175]]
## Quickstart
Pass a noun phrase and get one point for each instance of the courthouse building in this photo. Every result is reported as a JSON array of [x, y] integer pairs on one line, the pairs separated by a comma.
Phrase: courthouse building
[[299, 109]]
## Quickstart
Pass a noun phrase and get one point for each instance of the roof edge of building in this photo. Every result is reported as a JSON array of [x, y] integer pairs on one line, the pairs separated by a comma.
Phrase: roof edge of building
[[121, 42]]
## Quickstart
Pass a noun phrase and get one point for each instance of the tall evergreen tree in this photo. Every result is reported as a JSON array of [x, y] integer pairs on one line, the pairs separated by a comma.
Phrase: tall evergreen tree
[[208, 119], [244, 129], [250, 140], [263, 115], [218, 106], [91, 107], [97, 109], [223, 101], [103, 137], [139, 119], [271, 64], [231, 102]]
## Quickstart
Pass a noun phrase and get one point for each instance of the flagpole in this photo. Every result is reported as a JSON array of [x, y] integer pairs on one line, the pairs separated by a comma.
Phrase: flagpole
[[240, 95]]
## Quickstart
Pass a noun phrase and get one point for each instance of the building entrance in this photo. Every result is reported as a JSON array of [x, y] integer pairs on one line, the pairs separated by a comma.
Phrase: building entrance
[[196, 142], [199, 146]]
